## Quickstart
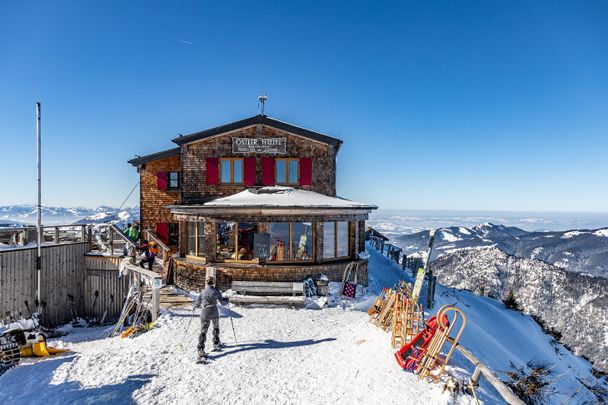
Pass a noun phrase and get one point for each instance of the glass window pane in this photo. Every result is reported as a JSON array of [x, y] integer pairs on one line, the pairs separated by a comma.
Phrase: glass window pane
[[191, 248], [246, 231], [279, 241], [225, 240], [343, 239], [329, 243], [281, 176], [173, 179], [238, 171], [225, 169], [301, 237], [293, 171], [201, 239]]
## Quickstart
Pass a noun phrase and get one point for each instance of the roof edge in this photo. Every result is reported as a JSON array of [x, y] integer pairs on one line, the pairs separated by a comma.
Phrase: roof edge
[[140, 160], [258, 119]]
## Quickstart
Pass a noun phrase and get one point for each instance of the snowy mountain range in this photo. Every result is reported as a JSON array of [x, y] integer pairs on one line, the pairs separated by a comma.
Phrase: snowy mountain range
[[584, 251], [25, 214], [569, 304]]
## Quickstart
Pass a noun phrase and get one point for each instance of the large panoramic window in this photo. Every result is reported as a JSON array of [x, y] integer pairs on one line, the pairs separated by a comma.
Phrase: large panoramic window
[[335, 240], [196, 239], [235, 240], [287, 171], [231, 170], [290, 241]]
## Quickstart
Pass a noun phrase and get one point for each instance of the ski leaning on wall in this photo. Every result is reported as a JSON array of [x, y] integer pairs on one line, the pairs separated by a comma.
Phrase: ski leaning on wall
[[422, 271]]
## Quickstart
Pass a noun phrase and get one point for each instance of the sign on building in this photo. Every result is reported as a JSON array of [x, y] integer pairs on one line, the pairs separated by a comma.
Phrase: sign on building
[[261, 245], [259, 145]]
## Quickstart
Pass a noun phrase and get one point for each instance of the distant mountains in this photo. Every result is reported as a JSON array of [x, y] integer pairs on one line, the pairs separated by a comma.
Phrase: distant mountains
[[584, 251], [571, 306], [25, 214]]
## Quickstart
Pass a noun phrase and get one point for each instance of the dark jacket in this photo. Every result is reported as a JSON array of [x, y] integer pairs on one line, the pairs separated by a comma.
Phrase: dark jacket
[[208, 299]]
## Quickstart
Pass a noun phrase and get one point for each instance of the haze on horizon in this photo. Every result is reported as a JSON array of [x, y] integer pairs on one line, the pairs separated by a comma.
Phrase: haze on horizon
[[441, 106]]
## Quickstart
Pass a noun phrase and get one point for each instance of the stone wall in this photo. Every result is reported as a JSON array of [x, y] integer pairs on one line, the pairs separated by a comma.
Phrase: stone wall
[[190, 275], [153, 200], [195, 189]]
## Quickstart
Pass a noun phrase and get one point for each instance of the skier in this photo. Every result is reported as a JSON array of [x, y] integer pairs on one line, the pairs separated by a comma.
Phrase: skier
[[208, 299]]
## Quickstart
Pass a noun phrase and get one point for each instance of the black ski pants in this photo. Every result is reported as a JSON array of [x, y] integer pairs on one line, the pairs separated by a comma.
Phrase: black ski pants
[[203, 336]]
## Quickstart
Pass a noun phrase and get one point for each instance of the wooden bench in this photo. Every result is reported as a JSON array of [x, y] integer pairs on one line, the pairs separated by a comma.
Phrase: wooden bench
[[268, 292]]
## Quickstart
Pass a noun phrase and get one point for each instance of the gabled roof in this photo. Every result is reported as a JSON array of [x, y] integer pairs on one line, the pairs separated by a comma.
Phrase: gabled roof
[[259, 119], [154, 156]]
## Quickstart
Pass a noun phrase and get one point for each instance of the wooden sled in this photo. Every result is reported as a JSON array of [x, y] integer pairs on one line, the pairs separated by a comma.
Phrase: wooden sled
[[450, 320]]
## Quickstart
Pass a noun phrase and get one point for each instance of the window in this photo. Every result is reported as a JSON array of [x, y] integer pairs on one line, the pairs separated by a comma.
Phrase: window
[[235, 240], [174, 180], [290, 241], [329, 240], [335, 240], [196, 239], [231, 171], [287, 171]]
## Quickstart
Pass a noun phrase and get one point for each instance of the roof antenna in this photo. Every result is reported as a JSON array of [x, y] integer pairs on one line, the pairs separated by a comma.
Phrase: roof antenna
[[261, 101]]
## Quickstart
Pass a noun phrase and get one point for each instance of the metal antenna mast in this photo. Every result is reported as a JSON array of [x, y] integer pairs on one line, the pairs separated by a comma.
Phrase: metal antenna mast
[[39, 209], [261, 102]]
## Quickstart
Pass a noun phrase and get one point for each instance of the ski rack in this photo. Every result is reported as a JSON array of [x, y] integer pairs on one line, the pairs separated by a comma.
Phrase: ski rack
[[432, 356]]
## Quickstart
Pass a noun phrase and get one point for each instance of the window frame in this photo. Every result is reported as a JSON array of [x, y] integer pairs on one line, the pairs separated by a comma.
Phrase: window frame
[[289, 252], [335, 225], [231, 160], [179, 181], [287, 160], [197, 236], [236, 243]]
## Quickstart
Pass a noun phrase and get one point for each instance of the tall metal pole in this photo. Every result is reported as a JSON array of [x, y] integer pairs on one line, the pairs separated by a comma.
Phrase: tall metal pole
[[39, 222]]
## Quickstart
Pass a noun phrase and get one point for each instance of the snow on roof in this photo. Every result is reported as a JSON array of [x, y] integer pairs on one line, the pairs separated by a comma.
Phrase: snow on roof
[[278, 196]]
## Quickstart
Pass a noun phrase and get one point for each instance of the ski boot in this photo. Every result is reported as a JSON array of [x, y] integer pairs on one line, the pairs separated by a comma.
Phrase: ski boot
[[202, 358]]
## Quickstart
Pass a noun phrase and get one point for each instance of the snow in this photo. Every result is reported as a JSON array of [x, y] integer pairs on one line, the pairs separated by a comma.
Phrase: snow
[[284, 355], [278, 196], [448, 237], [601, 232], [572, 234]]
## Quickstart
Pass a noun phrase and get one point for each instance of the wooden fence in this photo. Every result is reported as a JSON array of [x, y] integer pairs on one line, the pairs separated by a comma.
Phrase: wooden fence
[[62, 273], [103, 276], [67, 268]]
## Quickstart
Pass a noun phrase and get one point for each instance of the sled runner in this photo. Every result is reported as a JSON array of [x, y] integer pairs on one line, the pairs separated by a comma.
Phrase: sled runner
[[411, 354]]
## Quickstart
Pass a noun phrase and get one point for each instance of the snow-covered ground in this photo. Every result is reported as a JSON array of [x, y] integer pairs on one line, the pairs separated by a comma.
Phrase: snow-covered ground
[[284, 356]]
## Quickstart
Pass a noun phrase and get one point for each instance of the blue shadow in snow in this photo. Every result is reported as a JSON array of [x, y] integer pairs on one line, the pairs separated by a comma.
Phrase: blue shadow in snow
[[32, 384], [267, 344]]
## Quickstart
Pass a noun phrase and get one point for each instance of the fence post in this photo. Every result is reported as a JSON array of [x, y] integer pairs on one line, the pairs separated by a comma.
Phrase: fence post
[[56, 237], [111, 240], [83, 233]]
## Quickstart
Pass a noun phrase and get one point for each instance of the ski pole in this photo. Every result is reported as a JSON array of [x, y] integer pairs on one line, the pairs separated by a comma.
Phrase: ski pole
[[231, 323], [181, 344]]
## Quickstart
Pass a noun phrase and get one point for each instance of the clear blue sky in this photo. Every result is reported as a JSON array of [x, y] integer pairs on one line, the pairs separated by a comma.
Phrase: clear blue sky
[[493, 105]]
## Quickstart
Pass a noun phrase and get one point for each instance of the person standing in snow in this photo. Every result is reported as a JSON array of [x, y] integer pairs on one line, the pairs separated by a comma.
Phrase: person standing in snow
[[208, 300]]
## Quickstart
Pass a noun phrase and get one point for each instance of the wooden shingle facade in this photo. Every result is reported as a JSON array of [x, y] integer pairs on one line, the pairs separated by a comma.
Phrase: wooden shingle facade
[[255, 199]]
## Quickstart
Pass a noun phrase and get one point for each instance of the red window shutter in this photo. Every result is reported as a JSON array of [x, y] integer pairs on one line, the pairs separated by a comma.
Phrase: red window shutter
[[306, 171], [162, 231], [268, 171], [212, 171], [250, 171], [162, 180]]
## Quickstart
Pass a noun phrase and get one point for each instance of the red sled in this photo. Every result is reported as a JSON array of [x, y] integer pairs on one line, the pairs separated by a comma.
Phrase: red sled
[[411, 353]]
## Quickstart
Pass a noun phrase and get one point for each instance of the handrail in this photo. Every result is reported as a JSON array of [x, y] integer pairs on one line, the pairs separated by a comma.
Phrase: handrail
[[480, 368], [153, 279], [122, 235], [150, 235]]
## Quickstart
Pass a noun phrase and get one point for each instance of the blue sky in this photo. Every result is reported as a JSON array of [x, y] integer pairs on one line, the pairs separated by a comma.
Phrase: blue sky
[[453, 105]]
